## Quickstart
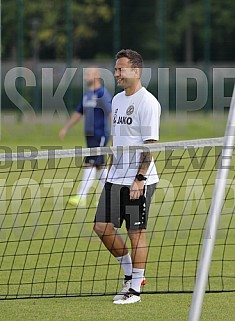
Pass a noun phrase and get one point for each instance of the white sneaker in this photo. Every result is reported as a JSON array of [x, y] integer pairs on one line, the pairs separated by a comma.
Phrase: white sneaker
[[126, 284], [128, 298]]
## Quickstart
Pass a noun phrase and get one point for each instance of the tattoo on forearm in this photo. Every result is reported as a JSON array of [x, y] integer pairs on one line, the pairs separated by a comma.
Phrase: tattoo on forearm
[[145, 160], [146, 157]]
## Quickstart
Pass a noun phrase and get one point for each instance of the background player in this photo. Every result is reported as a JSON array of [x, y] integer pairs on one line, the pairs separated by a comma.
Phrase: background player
[[95, 106]]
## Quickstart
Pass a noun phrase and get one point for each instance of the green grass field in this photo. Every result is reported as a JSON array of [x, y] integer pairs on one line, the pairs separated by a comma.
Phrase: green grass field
[[15, 134], [161, 307]]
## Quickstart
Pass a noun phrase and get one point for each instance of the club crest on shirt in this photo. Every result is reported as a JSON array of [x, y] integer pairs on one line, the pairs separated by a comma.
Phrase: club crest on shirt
[[130, 110]]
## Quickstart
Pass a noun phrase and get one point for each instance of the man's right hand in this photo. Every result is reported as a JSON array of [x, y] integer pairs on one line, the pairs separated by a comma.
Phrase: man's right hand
[[62, 133]]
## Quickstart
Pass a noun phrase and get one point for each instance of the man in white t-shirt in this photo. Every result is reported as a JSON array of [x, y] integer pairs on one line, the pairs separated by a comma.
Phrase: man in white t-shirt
[[132, 176]]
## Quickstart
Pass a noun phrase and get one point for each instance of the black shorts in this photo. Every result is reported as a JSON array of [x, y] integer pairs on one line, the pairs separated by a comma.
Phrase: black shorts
[[115, 206], [94, 141]]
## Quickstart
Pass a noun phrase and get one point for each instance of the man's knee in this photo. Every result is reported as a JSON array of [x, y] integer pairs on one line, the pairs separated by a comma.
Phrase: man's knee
[[137, 236], [102, 229]]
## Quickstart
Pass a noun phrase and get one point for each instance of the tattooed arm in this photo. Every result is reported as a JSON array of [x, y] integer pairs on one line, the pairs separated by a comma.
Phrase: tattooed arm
[[137, 187], [145, 159]]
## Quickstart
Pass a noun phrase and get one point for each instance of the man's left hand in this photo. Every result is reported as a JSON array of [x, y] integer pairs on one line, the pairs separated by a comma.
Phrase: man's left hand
[[136, 189]]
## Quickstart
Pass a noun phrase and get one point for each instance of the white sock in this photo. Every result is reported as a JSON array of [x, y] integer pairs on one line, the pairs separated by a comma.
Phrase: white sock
[[126, 264], [88, 178], [102, 175], [137, 278]]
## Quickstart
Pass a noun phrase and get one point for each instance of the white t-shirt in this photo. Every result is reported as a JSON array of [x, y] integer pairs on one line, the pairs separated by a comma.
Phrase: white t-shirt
[[136, 118]]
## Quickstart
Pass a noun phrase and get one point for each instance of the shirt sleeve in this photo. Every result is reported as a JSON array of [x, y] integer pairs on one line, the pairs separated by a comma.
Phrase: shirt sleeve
[[107, 102], [79, 108], [149, 115]]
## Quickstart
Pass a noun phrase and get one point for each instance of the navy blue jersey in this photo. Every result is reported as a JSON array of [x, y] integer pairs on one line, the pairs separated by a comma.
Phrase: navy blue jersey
[[96, 107]]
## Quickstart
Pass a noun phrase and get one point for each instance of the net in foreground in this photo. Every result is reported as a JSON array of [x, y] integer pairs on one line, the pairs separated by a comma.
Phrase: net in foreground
[[48, 248]]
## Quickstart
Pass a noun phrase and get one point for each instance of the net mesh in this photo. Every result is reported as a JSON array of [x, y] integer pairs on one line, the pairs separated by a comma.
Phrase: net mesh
[[48, 248]]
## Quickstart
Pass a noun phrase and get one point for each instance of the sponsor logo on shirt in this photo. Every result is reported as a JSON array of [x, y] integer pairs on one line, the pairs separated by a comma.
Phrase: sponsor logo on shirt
[[124, 120], [90, 102]]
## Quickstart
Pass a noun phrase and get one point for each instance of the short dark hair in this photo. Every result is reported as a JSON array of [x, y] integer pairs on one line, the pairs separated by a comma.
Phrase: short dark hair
[[133, 56]]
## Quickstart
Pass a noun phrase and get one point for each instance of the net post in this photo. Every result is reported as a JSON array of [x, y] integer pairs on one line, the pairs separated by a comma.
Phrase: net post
[[214, 216]]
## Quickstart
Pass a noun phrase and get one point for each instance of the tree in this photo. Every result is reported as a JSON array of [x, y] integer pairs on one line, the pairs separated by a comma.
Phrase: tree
[[185, 35], [187, 23], [51, 24]]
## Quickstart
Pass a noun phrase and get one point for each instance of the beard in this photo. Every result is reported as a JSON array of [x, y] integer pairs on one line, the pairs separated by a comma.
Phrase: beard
[[89, 83]]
